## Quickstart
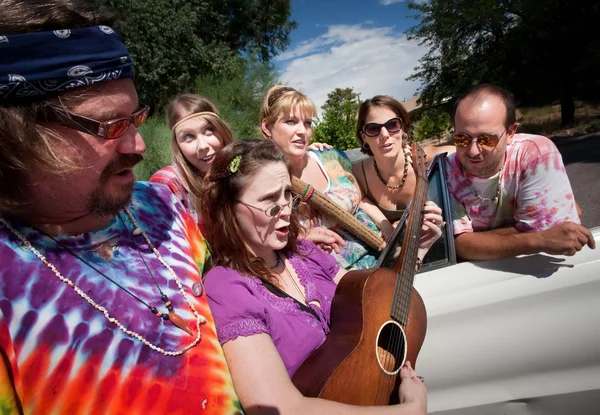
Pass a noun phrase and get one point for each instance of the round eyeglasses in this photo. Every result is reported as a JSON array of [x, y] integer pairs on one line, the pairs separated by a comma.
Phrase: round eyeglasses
[[276, 208], [373, 129]]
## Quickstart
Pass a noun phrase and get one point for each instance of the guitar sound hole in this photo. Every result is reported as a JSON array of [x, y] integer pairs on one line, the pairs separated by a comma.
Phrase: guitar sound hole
[[391, 347]]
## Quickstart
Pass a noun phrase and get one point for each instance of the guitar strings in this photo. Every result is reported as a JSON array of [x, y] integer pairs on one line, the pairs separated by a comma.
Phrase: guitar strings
[[402, 300], [397, 342]]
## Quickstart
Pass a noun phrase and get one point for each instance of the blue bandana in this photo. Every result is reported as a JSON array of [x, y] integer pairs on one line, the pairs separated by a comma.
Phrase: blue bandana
[[36, 65]]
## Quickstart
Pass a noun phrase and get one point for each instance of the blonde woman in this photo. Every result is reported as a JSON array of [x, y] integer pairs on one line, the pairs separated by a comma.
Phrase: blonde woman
[[198, 134]]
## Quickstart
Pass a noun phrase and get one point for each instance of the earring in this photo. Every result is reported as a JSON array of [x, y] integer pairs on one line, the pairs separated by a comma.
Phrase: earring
[[365, 147]]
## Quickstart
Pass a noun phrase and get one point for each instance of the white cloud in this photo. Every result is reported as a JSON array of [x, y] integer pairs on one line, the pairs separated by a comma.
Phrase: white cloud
[[370, 60]]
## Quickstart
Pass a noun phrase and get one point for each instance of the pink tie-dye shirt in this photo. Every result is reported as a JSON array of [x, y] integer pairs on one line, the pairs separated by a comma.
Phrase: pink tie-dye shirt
[[535, 190]]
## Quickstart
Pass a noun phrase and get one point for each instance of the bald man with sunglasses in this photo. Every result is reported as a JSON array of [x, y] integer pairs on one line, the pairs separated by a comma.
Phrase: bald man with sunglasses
[[509, 192]]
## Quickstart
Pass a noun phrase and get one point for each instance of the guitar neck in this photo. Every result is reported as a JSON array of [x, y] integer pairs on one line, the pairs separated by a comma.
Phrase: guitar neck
[[407, 261]]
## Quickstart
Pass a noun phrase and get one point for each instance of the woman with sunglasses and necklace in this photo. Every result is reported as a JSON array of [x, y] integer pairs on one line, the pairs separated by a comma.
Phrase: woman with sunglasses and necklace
[[270, 292], [387, 178]]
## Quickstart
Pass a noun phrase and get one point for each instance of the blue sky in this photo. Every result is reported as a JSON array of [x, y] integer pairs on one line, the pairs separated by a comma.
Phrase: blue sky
[[351, 43]]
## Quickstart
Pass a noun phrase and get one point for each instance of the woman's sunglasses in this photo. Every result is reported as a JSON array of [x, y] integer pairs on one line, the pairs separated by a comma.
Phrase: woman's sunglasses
[[107, 130], [373, 129], [486, 140], [276, 209]]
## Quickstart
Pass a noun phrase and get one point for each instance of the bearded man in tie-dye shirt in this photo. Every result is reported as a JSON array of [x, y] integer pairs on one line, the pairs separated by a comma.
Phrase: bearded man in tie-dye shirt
[[102, 307], [510, 194]]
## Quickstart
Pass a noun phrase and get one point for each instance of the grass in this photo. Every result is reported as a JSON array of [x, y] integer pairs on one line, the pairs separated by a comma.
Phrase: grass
[[158, 148], [545, 120]]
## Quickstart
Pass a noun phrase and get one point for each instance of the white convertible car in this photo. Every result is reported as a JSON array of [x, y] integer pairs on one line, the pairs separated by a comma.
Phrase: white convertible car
[[509, 337]]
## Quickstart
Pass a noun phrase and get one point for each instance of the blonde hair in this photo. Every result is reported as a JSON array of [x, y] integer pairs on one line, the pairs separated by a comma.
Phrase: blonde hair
[[280, 101], [182, 107]]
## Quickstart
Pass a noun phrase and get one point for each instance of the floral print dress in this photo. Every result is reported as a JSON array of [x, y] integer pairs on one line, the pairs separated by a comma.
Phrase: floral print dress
[[344, 190]]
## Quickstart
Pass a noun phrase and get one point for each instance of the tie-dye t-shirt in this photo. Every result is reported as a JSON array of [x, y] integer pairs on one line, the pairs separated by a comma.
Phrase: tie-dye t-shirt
[[535, 193], [343, 189], [62, 356]]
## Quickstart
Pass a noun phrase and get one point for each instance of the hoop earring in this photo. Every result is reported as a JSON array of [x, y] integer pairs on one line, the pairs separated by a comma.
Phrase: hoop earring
[[366, 147]]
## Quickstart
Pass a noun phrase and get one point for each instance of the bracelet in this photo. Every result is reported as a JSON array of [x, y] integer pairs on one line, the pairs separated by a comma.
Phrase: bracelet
[[419, 263]]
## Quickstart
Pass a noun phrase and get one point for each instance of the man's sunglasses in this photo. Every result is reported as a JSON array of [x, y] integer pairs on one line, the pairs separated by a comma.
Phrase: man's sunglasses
[[373, 129], [486, 140], [107, 130]]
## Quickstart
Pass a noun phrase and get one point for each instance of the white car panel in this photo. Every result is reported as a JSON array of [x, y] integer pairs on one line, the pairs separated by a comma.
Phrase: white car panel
[[516, 336]]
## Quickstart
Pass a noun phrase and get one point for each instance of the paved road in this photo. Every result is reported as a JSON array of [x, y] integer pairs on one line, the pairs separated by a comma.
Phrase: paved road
[[582, 161]]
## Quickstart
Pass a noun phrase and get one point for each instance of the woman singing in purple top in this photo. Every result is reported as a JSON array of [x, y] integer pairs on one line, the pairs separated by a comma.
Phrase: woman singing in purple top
[[271, 293]]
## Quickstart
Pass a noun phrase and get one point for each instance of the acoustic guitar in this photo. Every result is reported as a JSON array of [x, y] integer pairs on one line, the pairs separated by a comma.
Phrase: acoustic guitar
[[378, 321]]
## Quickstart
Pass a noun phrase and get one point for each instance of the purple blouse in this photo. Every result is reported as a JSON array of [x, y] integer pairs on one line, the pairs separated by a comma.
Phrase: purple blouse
[[243, 306]]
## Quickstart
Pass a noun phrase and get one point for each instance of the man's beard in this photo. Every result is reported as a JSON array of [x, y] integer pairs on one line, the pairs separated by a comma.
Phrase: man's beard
[[487, 168], [103, 204]]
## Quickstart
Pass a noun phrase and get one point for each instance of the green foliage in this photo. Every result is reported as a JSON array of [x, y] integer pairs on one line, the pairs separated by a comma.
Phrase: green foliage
[[338, 126], [433, 124], [158, 148], [239, 95], [539, 51], [173, 41]]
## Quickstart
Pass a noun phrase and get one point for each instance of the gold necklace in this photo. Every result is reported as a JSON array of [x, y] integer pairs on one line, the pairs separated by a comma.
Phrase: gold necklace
[[199, 318]]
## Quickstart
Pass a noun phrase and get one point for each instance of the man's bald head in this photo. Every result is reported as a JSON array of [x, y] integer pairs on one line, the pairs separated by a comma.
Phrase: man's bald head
[[478, 95]]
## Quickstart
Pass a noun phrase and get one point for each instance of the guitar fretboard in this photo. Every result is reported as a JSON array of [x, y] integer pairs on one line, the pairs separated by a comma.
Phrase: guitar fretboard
[[408, 256]]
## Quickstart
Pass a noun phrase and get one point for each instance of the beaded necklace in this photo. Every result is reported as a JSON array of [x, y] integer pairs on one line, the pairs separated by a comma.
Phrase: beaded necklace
[[496, 198], [407, 161], [199, 318]]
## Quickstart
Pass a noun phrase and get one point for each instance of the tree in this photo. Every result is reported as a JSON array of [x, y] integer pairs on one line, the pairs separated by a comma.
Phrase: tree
[[174, 41], [540, 51], [433, 124], [239, 95], [338, 126]]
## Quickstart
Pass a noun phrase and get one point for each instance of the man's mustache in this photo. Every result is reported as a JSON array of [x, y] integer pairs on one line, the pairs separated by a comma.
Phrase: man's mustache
[[123, 162]]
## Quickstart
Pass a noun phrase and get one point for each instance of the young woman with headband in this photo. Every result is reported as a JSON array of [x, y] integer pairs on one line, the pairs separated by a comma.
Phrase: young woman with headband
[[198, 134]]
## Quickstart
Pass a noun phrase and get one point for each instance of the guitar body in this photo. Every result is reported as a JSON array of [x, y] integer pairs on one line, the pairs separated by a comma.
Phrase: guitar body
[[360, 361]]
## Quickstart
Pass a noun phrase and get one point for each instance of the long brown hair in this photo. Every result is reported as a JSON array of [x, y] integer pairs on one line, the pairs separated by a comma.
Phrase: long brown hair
[[222, 189], [384, 101], [183, 106], [23, 142]]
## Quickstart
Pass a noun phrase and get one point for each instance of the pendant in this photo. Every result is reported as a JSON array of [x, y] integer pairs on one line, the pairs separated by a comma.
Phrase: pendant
[[180, 322], [106, 249], [197, 289]]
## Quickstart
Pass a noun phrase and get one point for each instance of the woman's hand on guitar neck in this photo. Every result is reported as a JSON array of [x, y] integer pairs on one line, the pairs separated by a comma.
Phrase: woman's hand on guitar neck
[[325, 239], [412, 390]]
